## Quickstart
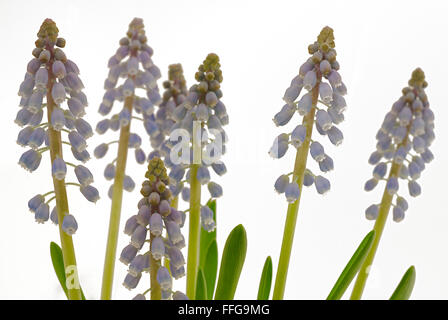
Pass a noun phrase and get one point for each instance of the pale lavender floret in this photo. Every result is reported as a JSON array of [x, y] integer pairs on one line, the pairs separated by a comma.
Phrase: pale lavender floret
[[405, 116], [157, 248], [77, 141], [128, 254], [35, 101], [419, 144], [155, 71], [59, 169], [137, 264], [342, 89], [402, 203], [83, 156], [104, 109], [76, 108], [69, 224], [325, 92], [370, 184], [334, 78], [292, 192], [400, 155], [130, 225], [404, 172], [145, 59], [177, 273], [42, 213], [327, 164], [176, 257], [109, 171], [41, 78], [69, 119], [73, 81], [30, 160], [380, 170], [207, 227], [392, 185], [325, 67], [281, 183], [211, 99], [280, 146], [206, 215], [140, 156], [305, 67], [309, 81], [304, 104], [322, 184], [54, 216], [399, 133], [26, 89], [35, 202], [131, 282], [132, 66], [203, 175], [83, 128], [185, 194], [124, 117], [58, 69], [219, 168], [154, 198], [164, 208], [138, 236], [177, 173], [418, 126], [372, 212], [398, 214], [90, 193], [155, 224], [335, 135], [308, 178], [427, 156], [146, 106], [179, 296], [176, 215], [338, 103], [164, 279], [414, 170], [285, 115], [428, 116], [317, 151], [214, 123], [128, 184], [70, 66], [383, 144], [80, 96], [58, 92], [134, 141], [128, 87], [83, 175], [102, 126], [202, 112], [36, 118], [101, 150], [23, 117], [173, 232], [150, 127], [291, 94], [324, 120], [298, 135], [24, 136], [139, 297], [109, 97], [36, 138], [33, 65]]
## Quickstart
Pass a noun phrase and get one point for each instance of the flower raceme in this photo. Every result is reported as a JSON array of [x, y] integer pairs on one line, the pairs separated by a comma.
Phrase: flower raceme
[[155, 215], [50, 81]]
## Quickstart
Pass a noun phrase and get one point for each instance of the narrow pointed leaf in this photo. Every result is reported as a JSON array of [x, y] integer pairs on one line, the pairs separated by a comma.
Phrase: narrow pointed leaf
[[211, 269], [201, 287], [352, 267], [232, 262], [264, 288], [406, 285], [58, 265]]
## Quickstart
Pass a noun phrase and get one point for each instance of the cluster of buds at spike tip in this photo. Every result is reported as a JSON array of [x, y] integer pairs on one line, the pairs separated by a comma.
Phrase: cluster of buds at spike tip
[[52, 79], [133, 64], [202, 109], [325, 100], [403, 143], [154, 215]]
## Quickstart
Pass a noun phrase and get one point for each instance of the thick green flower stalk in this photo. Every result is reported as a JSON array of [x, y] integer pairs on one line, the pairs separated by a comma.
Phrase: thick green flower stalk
[[146, 227], [322, 106], [49, 79], [401, 152], [133, 63]]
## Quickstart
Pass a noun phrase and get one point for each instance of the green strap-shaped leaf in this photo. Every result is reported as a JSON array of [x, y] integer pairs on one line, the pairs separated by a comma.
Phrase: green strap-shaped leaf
[[232, 262], [406, 285], [58, 265], [201, 286], [211, 269], [352, 267], [264, 288], [207, 237]]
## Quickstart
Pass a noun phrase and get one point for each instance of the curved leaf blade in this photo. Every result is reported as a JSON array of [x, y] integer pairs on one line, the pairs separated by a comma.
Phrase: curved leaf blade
[[264, 289], [232, 262], [211, 268], [352, 267], [406, 285], [201, 287]]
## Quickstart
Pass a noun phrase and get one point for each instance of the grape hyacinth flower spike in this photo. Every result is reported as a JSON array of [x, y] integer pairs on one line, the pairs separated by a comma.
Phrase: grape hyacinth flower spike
[[321, 105], [132, 62], [50, 81], [402, 152], [146, 227], [199, 122]]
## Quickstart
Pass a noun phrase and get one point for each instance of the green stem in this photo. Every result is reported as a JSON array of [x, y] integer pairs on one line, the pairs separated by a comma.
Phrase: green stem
[[154, 265], [194, 232], [68, 251], [115, 212], [293, 208], [384, 209]]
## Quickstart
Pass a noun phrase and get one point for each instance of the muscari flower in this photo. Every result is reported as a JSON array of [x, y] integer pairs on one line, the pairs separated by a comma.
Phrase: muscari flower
[[310, 82], [154, 214], [52, 79], [402, 149]]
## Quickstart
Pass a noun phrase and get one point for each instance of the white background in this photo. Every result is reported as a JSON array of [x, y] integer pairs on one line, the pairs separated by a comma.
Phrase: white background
[[261, 45]]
